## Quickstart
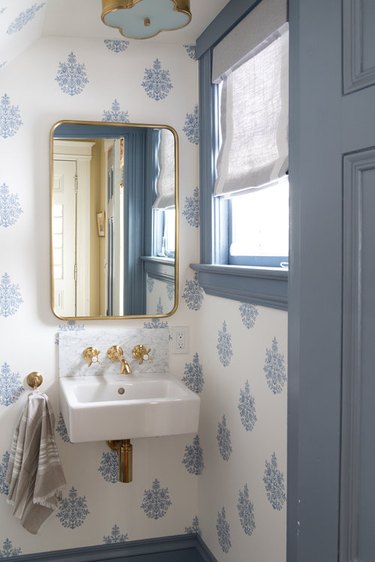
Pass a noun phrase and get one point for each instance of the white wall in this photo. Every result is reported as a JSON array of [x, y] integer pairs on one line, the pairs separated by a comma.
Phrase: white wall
[[28, 331], [28, 328]]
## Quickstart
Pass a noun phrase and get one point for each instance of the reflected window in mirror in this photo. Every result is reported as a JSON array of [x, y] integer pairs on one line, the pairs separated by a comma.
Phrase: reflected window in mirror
[[163, 208], [164, 232]]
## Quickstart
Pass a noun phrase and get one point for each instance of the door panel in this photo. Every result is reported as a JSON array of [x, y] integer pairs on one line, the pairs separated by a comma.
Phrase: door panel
[[358, 451], [331, 453]]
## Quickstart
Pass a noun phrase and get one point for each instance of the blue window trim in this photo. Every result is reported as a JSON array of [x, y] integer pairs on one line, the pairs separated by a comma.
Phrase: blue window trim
[[263, 286]]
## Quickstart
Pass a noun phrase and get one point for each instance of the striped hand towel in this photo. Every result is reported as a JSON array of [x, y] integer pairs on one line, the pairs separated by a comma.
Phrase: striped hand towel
[[35, 475]]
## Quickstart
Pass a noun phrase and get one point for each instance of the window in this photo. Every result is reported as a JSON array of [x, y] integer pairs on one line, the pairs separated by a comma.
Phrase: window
[[243, 155], [164, 210], [253, 157], [164, 230], [259, 227]]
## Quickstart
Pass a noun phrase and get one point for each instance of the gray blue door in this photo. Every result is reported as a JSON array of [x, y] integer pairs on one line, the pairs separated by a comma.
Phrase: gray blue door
[[331, 468]]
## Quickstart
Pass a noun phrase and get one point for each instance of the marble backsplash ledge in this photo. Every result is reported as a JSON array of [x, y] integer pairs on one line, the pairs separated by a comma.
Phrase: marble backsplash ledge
[[72, 345]]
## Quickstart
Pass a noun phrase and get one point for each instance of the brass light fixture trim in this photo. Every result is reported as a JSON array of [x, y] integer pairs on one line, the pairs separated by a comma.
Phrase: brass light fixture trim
[[110, 7]]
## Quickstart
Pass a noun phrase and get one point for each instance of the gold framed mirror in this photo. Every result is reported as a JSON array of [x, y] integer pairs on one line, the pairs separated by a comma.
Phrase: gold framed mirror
[[114, 220]]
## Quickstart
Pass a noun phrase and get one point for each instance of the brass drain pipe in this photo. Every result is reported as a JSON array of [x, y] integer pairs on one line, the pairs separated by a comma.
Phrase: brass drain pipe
[[125, 458]]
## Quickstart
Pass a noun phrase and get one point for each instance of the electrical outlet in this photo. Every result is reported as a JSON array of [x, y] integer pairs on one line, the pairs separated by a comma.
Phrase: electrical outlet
[[180, 339]]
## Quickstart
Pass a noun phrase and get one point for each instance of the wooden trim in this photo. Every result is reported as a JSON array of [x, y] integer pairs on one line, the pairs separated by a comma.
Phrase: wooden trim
[[184, 548], [161, 269], [262, 286], [224, 22]]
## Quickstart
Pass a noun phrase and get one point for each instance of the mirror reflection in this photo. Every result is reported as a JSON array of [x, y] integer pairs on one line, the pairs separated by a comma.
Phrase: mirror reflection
[[114, 198]]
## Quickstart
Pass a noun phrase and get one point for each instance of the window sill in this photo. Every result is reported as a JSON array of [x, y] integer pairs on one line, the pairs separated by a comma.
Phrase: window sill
[[257, 285], [160, 268]]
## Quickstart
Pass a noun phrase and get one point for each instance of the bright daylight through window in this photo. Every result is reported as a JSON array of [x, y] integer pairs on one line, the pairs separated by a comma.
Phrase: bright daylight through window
[[259, 229]]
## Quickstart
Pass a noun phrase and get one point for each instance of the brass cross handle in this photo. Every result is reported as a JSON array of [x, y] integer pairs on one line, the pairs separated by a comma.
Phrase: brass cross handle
[[141, 353], [91, 355]]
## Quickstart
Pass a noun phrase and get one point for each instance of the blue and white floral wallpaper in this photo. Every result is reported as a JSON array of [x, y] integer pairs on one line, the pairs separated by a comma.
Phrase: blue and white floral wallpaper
[[228, 482]]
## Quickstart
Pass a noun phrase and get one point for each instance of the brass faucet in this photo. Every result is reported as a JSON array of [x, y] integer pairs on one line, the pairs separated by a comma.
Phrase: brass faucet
[[116, 353]]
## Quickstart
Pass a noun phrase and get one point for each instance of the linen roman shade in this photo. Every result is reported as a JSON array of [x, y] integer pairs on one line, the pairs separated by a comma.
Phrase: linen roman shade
[[166, 180], [254, 100]]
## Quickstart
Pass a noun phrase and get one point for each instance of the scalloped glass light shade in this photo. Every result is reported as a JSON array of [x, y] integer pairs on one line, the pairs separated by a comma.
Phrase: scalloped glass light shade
[[142, 19]]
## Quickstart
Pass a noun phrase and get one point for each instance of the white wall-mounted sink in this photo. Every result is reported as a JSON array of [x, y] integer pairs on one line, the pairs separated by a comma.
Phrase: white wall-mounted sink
[[109, 407]]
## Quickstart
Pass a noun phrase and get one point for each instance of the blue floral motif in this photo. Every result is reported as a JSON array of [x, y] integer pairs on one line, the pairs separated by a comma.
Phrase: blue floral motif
[[71, 76], [9, 550], [159, 307], [71, 326], [4, 488], [10, 208], [2, 10], [10, 118], [193, 293], [10, 297], [73, 510], [62, 430], [170, 291], [191, 128], [191, 51], [156, 501], [195, 528], [155, 323], [10, 386], [24, 17], [191, 209], [246, 407], [156, 81], [150, 284], [274, 483], [274, 368], [115, 114], [224, 439], [223, 531], [109, 466], [246, 511], [115, 536], [193, 457], [249, 314], [193, 375], [3, 63], [224, 346], [116, 45]]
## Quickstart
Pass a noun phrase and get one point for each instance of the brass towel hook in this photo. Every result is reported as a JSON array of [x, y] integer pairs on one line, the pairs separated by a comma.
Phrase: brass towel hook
[[34, 380]]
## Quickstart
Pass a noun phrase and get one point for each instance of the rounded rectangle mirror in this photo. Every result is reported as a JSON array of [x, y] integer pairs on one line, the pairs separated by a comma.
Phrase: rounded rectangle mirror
[[114, 220]]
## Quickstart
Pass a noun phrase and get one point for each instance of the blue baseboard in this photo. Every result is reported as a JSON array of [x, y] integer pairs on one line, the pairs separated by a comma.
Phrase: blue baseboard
[[184, 548]]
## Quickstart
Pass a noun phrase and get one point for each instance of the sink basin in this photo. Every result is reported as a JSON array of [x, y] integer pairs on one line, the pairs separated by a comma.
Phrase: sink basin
[[109, 407]]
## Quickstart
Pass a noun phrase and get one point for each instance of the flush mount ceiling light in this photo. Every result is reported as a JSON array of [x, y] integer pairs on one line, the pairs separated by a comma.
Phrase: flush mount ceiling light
[[141, 19]]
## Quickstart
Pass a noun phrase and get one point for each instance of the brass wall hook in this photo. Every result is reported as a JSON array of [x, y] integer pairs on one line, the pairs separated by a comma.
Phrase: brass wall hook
[[34, 379], [141, 353], [91, 355]]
